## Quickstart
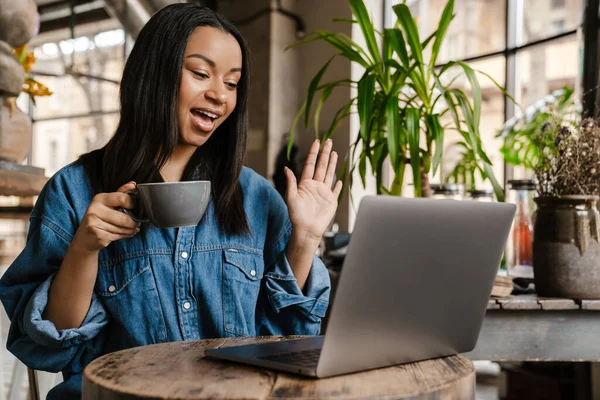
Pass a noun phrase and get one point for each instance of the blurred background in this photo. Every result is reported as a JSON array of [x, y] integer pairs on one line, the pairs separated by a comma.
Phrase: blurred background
[[532, 48]]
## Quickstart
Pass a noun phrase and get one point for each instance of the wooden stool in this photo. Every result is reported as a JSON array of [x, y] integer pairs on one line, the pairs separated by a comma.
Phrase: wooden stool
[[179, 370]]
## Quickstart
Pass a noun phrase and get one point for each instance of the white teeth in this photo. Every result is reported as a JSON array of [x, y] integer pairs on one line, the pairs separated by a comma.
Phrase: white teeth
[[210, 115]]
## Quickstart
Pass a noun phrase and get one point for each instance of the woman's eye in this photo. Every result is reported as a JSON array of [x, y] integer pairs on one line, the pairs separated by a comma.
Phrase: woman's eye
[[200, 74], [231, 85]]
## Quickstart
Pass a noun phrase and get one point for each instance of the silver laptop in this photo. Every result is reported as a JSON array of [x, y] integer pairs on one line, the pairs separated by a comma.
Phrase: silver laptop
[[414, 285]]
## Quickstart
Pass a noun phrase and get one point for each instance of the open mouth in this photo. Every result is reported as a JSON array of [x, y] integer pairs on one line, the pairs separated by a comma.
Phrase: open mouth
[[204, 120], [204, 114]]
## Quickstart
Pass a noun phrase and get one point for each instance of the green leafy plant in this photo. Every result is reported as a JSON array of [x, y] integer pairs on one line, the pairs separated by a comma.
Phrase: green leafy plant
[[466, 169], [523, 134], [401, 101]]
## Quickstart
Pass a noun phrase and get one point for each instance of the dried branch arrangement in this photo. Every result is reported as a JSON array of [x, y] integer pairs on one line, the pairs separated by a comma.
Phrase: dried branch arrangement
[[569, 161]]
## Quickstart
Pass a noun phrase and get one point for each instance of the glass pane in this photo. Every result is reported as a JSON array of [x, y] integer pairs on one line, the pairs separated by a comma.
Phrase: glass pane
[[548, 67], [492, 118], [478, 26], [59, 142], [544, 69], [98, 55], [545, 18]]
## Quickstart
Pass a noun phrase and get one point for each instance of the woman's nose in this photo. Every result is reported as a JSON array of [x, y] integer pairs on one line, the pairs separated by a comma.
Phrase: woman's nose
[[217, 95]]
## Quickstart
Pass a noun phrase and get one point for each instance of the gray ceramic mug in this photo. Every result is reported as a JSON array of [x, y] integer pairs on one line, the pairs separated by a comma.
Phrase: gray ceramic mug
[[170, 204]]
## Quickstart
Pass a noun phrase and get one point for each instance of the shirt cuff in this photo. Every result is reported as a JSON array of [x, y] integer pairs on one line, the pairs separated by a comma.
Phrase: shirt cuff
[[45, 333], [283, 290]]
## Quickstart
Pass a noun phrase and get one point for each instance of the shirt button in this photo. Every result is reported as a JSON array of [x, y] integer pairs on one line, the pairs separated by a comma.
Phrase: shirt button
[[111, 288], [253, 273], [184, 255], [187, 305]]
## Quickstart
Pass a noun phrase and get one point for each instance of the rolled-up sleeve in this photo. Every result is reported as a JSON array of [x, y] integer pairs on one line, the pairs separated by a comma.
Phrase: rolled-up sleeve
[[45, 333], [291, 311], [24, 289], [283, 289]]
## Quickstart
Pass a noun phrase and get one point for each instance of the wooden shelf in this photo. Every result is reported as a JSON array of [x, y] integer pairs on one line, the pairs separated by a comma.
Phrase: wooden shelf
[[17, 212], [20, 180]]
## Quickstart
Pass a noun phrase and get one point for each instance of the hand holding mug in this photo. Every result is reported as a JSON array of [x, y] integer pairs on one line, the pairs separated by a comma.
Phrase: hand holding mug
[[103, 223], [169, 204]]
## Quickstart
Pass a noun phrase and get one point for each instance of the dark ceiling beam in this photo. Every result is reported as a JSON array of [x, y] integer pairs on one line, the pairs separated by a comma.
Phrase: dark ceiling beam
[[59, 4], [83, 18]]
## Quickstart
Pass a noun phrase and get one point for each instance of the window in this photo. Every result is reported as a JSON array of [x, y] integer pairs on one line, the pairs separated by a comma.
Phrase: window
[[478, 35], [557, 27], [541, 19], [546, 68], [477, 28], [82, 113]]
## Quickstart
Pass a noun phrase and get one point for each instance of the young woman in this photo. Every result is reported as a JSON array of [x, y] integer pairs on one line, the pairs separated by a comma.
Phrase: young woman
[[91, 281]]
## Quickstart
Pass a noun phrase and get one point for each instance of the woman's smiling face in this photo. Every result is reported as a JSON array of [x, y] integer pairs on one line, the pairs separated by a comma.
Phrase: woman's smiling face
[[212, 68]]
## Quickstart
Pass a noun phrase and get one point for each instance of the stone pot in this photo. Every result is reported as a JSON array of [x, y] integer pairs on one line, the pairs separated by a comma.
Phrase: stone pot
[[15, 134], [566, 252], [12, 73], [18, 21]]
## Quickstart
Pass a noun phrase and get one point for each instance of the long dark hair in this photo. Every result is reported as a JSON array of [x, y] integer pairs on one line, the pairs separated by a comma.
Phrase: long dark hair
[[148, 129]]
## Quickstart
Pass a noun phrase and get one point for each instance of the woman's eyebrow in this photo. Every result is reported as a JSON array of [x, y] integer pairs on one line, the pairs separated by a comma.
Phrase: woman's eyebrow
[[210, 62]]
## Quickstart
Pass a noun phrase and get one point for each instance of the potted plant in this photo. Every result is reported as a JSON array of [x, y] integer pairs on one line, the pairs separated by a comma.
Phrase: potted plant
[[521, 134], [15, 125], [402, 101], [566, 252], [18, 24]]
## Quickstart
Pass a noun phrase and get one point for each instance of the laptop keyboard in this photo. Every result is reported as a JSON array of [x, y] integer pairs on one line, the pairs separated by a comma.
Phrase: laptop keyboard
[[304, 358]]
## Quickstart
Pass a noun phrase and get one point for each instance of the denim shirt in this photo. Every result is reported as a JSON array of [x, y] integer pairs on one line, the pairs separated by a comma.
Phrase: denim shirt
[[162, 285]]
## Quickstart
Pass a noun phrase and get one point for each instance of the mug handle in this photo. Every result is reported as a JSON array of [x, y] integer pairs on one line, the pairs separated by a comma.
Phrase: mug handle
[[136, 196]]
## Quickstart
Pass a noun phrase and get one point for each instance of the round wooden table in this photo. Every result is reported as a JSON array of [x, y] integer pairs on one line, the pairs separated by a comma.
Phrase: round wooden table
[[179, 370]]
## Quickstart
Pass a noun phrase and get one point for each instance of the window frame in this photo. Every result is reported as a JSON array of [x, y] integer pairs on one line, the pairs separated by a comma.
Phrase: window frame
[[513, 47]]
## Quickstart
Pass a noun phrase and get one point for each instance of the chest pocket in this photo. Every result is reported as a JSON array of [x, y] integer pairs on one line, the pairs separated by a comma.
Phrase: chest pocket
[[128, 289], [242, 275]]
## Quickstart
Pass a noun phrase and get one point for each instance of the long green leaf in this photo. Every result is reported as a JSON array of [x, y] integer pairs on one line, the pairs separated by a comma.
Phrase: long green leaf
[[341, 113], [397, 42], [425, 160], [349, 167], [312, 38], [362, 168], [481, 153], [394, 129], [498, 190], [387, 49], [476, 93], [467, 112], [428, 40], [441, 32], [500, 87], [396, 188], [419, 86], [399, 79], [360, 13], [293, 129], [351, 21], [379, 155], [312, 88], [338, 41], [437, 132], [414, 135], [324, 96], [465, 106], [356, 47], [407, 22], [366, 96], [452, 107], [344, 48]]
